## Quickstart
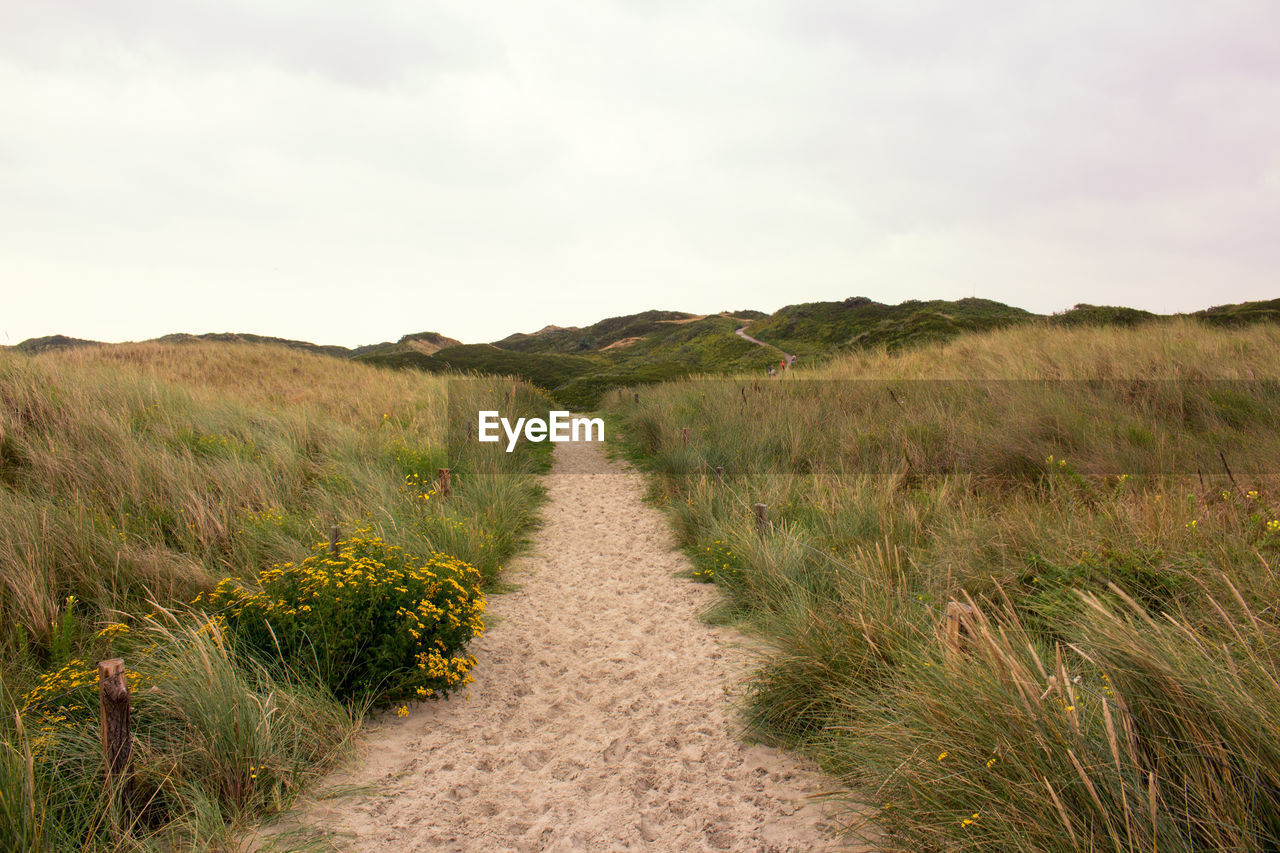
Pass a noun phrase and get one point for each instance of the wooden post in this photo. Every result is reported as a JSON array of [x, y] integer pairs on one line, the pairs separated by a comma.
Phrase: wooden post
[[117, 744], [957, 630], [334, 535], [637, 397], [762, 517], [720, 474], [684, 436], [442, 483]]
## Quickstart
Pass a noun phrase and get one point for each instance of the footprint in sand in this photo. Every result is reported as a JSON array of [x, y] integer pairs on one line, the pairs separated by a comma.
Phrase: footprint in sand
[[598, 720]]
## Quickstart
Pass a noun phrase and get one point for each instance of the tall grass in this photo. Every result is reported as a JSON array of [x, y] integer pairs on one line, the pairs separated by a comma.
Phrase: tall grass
[[1116, 682], [134, 477]]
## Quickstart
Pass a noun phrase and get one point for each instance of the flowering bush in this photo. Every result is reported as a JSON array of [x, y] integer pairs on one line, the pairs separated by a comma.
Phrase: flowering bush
[[372, 621], [716, 561]]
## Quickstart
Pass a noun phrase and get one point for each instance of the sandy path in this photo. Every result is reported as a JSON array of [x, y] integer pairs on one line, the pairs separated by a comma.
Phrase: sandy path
[[598, 720], [742, 333]]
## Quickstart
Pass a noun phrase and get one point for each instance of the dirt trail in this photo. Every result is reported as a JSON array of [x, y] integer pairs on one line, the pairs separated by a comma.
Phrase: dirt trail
[[599, 719], [742, 333]]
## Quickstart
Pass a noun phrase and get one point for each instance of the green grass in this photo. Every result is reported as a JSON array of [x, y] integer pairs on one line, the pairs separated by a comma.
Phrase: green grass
[[1117, 681], [546, 370], [818, 329], [1241, 314]]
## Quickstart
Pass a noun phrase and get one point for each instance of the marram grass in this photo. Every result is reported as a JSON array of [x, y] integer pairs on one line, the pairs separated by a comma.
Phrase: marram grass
[[134, 480], [1115, 685]]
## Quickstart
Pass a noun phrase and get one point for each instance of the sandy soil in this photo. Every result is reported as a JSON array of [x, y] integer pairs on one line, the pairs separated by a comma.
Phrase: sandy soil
[[599, 719], [618, 344]]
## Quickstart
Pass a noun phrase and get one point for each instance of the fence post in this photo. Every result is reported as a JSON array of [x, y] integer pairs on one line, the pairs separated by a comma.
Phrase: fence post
[[334, 535], [720, 474], [117, 744], [684, 436], [442, 482], [957, 630], [637, 397], [762, 517]]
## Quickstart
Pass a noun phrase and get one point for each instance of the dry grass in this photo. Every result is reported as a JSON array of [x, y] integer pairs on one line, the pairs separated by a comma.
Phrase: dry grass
[[1118, 682], [133, 477]]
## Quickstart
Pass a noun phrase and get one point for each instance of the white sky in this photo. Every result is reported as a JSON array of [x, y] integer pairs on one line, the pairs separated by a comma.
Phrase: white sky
[[350, 172]]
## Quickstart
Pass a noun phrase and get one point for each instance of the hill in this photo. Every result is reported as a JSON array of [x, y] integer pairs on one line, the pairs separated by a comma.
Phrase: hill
[[578, 364], [820, 329], [595, 337], [422, 342], [1241, 313], [50, 343]]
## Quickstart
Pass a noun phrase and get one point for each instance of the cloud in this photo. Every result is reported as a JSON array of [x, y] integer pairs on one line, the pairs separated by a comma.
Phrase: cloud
[[481, 168]]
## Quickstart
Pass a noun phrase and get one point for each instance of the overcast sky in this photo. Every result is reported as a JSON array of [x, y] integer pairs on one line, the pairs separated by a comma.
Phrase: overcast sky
[[350, 172]]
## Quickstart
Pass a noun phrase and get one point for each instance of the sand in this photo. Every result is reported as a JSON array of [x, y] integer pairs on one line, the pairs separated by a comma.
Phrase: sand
[[600, 717]]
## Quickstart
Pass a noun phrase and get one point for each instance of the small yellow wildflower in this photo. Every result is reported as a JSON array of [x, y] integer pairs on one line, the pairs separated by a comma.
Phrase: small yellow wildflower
[[402, 711], [942, 755], [969, 820]]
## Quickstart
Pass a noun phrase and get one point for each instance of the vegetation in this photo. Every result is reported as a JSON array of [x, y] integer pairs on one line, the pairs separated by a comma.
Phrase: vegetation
[[578, 365], [816, 329], [1241, 314], [1108, 588], [133, 478], [415, 618], [546, 370]]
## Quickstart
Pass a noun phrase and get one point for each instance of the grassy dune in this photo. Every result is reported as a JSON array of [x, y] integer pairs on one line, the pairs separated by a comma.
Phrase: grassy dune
[[134, 477], [1115, 685]]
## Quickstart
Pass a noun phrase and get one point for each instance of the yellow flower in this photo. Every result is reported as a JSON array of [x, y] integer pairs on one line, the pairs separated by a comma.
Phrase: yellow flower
[[969, 820], [942, 755], [402, 711]]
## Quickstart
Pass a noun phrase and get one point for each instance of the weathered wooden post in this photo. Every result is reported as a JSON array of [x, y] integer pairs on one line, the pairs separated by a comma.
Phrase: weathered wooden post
[[684, 436], [334, 535], [762, 517], [117, 743], [443, 482], [957, 631]]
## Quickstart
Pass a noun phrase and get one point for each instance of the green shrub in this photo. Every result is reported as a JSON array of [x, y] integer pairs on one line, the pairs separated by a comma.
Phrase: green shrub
[[373, 622]]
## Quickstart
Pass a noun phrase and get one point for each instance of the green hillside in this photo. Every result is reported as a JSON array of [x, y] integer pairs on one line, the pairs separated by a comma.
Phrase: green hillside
[[594, 337], [1241, 314], [820, 328], [546, 370], [578, 364]]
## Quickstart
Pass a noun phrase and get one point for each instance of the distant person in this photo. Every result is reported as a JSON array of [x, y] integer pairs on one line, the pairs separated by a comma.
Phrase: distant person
[[772, 371]]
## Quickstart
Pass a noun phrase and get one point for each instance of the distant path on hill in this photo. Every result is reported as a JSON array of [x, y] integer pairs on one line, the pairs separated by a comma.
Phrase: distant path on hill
[[599, 719], [742, 333]]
